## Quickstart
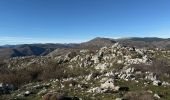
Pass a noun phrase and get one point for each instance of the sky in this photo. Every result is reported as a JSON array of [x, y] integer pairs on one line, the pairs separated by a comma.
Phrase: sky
[[72, 21]]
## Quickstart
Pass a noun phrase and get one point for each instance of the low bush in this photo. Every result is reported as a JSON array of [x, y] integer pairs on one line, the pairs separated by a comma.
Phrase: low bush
[[36, 72], [32, 73]]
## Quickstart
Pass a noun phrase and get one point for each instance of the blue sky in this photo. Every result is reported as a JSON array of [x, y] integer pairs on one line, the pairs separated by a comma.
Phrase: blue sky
[[64, 21]]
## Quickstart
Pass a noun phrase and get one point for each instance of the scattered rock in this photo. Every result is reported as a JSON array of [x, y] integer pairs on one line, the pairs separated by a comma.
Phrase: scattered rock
[[157, 96], [95, 59], [119, 99], [42, 92], [27, 93], [109, 84], [157, 83]]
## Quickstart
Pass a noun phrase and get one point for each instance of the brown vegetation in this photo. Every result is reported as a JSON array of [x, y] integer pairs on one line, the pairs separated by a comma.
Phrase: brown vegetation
[[31, 73], [35, 72], [159, 67], [143, 95]]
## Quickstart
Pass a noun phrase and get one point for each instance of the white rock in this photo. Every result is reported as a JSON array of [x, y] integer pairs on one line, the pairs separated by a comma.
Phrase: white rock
[[70, 66], [70, 85], [118, 99], [88, 77], [84, 51], [109, 84], [150, 91], [75, 58], [116, 45], [42, 92], [116, 88], [165, 83], [104, 79], [102, 67], [107, 57], [20, 95], [151, 77], [95, 90], [139, 51], [111, 74], [157, 96], [2, 85], [119, 61], [129, 70], [95, 59], [156, 82], [79, 86], [27, 92]]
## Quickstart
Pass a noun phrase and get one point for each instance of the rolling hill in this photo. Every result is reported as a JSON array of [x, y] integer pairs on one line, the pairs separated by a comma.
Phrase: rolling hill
[[96, 43]]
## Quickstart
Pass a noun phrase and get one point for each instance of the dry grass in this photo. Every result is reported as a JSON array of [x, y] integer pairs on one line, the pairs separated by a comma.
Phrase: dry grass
[[32, 73], [142, 95], [159, 67]]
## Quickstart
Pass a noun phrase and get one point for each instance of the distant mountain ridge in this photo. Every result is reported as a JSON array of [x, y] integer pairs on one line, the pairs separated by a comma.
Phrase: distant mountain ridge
[[146, 42], [29, 50], [8, 51], [97, 43]]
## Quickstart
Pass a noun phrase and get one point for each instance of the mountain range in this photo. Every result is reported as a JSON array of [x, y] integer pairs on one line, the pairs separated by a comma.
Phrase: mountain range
[[8, 51]]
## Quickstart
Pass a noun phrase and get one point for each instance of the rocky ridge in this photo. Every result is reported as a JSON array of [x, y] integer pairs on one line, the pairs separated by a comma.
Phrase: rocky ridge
[[105, 74]]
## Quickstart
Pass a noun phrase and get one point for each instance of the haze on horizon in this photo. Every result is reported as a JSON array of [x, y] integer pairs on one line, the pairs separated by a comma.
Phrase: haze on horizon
[[73, 21]]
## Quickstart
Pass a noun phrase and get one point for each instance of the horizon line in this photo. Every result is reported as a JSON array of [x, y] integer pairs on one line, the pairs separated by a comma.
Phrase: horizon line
[[12, 42]]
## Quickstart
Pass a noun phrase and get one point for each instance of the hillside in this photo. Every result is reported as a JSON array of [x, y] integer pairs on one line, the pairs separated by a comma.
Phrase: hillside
[[29, 50], [8, 52], [115, 72]]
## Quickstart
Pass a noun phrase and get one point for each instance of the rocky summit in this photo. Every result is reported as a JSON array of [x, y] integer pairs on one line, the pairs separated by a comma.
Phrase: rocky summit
[[116, 72]]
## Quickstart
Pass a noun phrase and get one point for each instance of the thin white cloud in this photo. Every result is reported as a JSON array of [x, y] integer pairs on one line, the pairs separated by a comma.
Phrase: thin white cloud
[[26, 40], [13, 38]]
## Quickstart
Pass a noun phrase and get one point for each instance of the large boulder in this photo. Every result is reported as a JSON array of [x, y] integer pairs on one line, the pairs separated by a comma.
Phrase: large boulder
[[108, 85], [95, 59]]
